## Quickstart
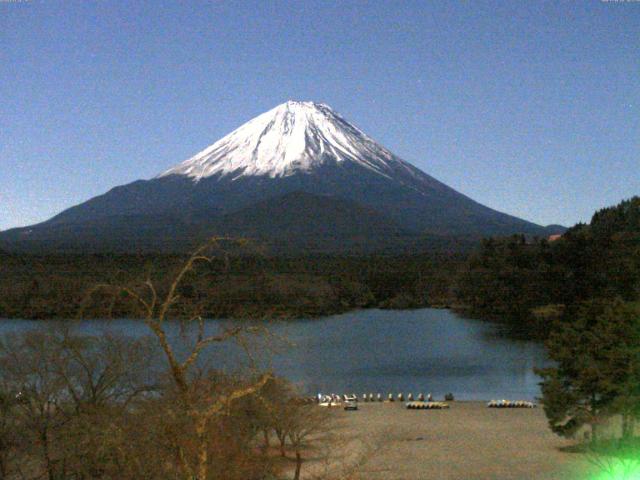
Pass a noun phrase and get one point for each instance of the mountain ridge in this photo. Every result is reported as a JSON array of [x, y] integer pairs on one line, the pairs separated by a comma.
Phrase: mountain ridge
[[295, 147]]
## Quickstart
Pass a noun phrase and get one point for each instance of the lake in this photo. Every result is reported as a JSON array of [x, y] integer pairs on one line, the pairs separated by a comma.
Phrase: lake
[[379, 351]]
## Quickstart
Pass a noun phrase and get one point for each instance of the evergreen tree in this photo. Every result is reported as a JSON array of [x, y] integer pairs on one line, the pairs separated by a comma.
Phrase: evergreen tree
[[596, 348], [511, 278]]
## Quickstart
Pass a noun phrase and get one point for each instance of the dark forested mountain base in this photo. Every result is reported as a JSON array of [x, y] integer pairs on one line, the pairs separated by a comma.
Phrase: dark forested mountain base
[[530, 283], [53, 286]]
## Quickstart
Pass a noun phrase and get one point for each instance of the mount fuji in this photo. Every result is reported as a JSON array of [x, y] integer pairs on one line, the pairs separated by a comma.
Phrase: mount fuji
[[298, 178]]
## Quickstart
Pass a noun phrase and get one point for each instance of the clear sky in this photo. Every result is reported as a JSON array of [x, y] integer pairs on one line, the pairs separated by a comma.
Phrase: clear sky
[[532, 108]]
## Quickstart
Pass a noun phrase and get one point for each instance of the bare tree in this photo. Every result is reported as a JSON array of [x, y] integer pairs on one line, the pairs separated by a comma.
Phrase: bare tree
[[306, 424], [27, 368], [64, 393], [9, 437], [107, 370], [199, 403]]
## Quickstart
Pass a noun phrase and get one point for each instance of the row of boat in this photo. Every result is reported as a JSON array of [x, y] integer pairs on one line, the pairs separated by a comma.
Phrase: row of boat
[[510, 404], [369, 397], [422, 401], [426, 405]]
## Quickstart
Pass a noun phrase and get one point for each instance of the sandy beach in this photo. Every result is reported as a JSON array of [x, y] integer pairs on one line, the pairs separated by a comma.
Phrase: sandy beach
[[468, 441]]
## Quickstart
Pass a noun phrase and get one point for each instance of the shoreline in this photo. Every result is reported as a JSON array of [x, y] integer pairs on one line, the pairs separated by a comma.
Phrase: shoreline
[[468, 440]]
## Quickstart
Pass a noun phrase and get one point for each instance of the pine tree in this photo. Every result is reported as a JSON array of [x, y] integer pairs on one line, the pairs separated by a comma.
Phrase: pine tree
[[596, 348]]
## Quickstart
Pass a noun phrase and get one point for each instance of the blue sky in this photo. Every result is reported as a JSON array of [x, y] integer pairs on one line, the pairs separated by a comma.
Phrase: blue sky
[[532, 108]]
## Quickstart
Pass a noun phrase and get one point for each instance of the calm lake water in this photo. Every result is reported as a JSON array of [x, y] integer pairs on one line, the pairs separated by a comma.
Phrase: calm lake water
[[378, 351]]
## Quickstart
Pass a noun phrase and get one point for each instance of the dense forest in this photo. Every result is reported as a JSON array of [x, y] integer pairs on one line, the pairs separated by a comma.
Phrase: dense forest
[[529, 283], [234, 285], [526, 282]]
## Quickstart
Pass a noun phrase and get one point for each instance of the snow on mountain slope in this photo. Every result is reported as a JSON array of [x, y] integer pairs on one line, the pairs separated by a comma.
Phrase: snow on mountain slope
[[293, 137], [263, 180]]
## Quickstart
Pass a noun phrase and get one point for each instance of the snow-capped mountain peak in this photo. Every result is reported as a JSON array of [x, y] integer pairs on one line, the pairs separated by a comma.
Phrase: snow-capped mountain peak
[[292, 137], [296, 177]]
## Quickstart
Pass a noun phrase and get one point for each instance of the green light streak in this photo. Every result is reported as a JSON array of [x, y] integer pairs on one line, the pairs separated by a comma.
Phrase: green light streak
[[627, 469]]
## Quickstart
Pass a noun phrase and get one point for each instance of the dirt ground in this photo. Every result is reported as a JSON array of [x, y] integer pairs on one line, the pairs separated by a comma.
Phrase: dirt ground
[[385, 441]]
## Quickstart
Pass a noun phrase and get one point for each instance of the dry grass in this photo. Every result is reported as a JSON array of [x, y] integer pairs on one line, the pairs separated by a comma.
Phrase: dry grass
[[468, 441]]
